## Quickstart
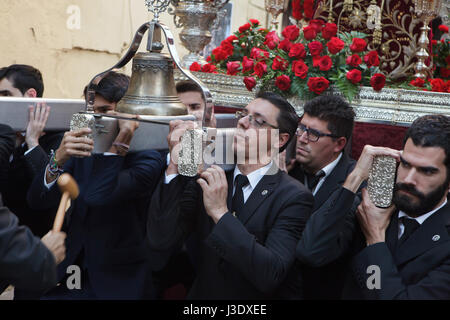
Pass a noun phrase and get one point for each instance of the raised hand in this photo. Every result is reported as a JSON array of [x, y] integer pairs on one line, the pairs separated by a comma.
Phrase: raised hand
[[37, 119]]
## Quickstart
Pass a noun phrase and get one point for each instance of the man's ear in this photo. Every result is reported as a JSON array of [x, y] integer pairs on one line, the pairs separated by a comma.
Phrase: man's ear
[[30, 93], [340, 144], [283, 138]]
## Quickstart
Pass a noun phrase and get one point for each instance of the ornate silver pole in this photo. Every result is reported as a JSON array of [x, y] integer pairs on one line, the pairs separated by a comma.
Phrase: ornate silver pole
[[425, 10]]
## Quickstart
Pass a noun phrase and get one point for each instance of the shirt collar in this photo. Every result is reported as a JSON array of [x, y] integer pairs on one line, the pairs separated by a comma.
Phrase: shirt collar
[[423, 217], [255, 176], [330, 167]]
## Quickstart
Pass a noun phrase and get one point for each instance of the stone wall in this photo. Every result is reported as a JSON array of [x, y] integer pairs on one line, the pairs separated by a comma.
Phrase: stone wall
[[72, 40]]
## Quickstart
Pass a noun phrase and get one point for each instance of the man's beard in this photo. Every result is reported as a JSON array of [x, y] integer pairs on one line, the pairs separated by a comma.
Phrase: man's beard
[[424, 204]]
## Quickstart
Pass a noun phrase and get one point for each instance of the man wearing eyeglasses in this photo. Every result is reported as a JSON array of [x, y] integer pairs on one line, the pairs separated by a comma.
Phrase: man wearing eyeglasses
[[243, 225], [323, 165]]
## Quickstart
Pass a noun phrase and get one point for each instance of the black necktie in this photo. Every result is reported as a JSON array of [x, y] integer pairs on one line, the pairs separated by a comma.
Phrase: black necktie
[[411, 225], [238, 197], [313, 179]]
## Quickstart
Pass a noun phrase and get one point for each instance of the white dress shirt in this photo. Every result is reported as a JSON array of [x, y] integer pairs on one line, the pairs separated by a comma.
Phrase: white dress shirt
[[253, 178]]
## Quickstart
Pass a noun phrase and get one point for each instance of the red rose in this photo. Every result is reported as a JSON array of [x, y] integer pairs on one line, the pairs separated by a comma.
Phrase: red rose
[[297, 9], [325, 63], [358, 45], [309, 32], [233, 67], [316, 61], [308, 7], [377, 81], [291, 32], [209, 68], [297, 51], [317, 24], [219, 54], [447, 84], [285, 45], [445, 72], [318, 84], [244, 27], [272, 40], [443, 28], [447, 60], [250, 83], [279, 64], [300, 69], [335, 45], [247, 64], [315, 48], [353, 60], [195, 66], [208, 59], [254, 22], [283, 82], [231, 38], [433, 42], [371, 59], [329, 31], [354, 76], [258, 54], [438, 85], [417, 82], [227, 47], [260, 69]]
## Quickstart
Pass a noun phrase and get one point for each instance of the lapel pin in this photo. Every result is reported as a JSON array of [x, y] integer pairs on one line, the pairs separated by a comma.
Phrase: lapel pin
[[264, 192], [436, 237]]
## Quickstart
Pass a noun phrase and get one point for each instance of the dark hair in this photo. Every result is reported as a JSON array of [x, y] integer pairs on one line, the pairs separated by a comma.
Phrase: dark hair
[[334, 110], [187, 86], [24, 77], [287, 118], [432, 131], [112, 87]]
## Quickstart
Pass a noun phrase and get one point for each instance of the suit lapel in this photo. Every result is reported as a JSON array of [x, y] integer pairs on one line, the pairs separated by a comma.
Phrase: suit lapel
[[392, 233], [229, 175], [332, 182], [431, 233], [262, 191]]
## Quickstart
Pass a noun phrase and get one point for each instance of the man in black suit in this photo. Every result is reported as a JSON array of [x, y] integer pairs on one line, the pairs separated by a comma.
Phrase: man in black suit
[[25, 261], [322, 164], [406, 247], [243, 224], [32, 148], [106, 229]]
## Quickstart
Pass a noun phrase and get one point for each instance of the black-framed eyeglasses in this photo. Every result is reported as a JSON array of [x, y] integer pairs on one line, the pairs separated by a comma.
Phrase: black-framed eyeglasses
[[311, 134], [255, 121]]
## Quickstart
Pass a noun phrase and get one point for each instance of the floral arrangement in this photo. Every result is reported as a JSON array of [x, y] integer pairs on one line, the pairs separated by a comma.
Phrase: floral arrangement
[[303, 63]]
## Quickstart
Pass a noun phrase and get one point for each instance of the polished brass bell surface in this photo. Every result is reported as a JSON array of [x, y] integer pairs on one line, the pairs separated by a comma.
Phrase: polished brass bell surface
[[152, 87]]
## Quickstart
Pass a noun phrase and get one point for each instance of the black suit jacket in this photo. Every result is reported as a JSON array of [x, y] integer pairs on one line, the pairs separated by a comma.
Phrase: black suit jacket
[[22, 170], [25, 261], [108, 220], [321, 265], [243, 257], [418, 269], [7, 139]]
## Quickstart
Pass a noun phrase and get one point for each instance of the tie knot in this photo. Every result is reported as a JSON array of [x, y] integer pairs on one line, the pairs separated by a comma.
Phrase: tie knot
[[313, 179], [241, 181], [410, 224]]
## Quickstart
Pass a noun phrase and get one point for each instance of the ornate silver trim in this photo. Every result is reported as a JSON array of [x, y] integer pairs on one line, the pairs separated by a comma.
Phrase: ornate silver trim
[[389, 106]]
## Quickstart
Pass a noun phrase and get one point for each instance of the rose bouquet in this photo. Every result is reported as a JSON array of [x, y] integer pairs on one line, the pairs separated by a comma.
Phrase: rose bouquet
[[303, 62]]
